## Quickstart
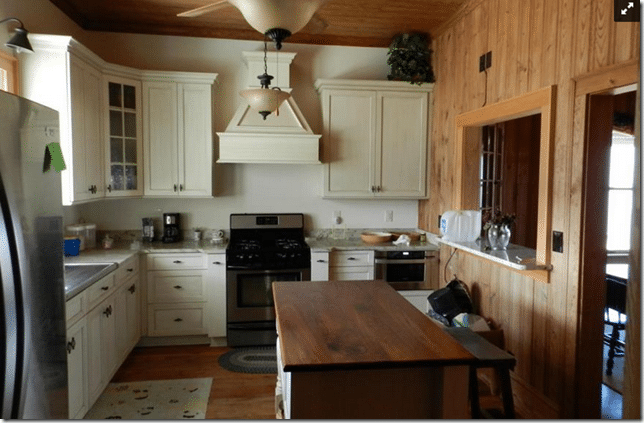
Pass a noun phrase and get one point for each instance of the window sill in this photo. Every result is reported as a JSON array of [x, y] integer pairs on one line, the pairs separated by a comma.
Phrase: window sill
[[518, 258]]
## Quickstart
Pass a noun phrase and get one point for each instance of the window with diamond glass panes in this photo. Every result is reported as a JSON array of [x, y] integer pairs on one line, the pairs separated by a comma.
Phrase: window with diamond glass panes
[[124, 139]]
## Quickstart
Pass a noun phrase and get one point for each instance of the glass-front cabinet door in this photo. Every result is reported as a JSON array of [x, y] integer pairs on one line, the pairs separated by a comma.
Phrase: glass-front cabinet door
[[124, 173]]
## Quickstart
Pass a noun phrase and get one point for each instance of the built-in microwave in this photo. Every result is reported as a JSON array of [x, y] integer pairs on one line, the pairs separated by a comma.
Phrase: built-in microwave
[[407, 269]]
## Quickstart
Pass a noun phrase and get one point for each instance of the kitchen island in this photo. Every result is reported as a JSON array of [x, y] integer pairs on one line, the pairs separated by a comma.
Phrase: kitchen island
[[358, 349]]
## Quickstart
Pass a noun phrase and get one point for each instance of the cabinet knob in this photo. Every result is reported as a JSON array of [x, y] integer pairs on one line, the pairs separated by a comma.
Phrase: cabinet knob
[[130, 269], [132, 289], [71, 345], [177, 261], [217, 263], [108, 311], [175, 187], [180, 187], [109, 188], [177, 287], [378, 188], [178, 319], [105, 288]]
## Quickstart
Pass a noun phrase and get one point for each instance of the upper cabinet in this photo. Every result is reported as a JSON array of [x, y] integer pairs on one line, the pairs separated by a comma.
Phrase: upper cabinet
[[177, 116], [375, 138], [65, 76], [124, 137]]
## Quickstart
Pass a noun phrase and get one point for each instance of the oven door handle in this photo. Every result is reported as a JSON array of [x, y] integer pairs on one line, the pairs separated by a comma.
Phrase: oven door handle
[[246, 270], [402, 261]]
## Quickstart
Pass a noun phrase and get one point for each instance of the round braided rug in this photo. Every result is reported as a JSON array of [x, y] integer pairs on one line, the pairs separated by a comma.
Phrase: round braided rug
[[250, 360]]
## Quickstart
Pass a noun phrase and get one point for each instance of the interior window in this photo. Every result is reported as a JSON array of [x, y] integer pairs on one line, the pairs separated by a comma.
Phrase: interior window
[[620, 202], [8, 73]]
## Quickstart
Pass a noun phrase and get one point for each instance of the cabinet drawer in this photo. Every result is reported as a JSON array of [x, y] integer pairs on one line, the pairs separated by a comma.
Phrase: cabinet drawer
[[100, 290], [175, 287], [184, 319], [350, 273], [351, 258], [177, 261], [76, 308], [127, 269]]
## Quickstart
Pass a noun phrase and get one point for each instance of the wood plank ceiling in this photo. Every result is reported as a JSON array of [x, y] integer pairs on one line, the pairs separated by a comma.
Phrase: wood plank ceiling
[[365, 23]]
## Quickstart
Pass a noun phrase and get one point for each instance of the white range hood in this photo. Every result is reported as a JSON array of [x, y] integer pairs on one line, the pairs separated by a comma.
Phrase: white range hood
[[284, 137]]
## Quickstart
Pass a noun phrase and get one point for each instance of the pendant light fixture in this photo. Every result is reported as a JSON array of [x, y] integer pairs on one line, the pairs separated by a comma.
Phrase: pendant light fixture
[[265, 100], [19, 41]]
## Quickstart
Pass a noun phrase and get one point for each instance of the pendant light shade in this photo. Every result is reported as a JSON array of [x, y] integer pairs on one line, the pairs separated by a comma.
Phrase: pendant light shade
[[265, 100], [19, 40], [278, 18]]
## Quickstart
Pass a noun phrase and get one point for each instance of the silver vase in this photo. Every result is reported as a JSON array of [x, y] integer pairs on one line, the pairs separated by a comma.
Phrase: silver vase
[[498, 236]]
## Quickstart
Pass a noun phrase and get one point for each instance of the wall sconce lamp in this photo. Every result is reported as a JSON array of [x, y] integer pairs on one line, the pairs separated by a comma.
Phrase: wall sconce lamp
[[19, 41]]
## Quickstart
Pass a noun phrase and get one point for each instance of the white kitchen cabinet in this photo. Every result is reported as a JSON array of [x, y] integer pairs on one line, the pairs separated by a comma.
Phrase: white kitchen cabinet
[[418, 298], [65, 76], [127, 308], [102, 351], [123, 136], [351, 265], [375, 138], [177, 294], [177, 119], [78, 398], [217, 295], [320, 266]]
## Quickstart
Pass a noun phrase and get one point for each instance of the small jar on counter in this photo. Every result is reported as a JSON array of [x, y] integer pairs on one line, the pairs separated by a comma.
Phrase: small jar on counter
[[108, 242]]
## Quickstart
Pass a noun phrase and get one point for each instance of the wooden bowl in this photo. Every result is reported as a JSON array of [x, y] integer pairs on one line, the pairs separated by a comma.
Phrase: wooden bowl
[[375, 237]]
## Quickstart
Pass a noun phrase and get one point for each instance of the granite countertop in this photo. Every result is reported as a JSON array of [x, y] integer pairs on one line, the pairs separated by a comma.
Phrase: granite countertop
[[349, 239]]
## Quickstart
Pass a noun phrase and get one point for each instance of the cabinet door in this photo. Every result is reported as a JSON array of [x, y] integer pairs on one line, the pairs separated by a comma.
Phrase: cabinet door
[[101, 347], [349, 273], [127, 318], [80, 185], [124, 137], [349, 142], [195, 140], [217, 298], [320, 266], [160, 138], [133, 307], [93, 139], [402, 153], [77, 369]]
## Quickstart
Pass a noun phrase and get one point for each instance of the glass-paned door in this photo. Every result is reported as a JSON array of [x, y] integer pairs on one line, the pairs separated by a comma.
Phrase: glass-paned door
[[124, 143]]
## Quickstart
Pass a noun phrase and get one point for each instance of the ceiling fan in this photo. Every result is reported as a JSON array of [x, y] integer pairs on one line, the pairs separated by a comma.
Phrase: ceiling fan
[[276, 19]]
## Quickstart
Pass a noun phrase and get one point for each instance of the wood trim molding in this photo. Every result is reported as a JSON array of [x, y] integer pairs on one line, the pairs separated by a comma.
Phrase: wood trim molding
[[468, 125], [607, 78]]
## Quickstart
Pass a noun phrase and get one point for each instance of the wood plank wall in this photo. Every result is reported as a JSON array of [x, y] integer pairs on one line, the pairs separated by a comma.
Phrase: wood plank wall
[[534, 43]]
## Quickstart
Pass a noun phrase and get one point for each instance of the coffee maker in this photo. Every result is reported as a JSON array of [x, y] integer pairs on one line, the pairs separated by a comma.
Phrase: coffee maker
[[171, 227]]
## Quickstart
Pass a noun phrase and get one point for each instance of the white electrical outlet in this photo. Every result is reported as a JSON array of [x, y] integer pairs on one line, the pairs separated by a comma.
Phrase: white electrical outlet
[[389, 216]]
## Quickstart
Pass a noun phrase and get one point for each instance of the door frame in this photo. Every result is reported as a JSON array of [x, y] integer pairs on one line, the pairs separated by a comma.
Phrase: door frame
[[589, 362]]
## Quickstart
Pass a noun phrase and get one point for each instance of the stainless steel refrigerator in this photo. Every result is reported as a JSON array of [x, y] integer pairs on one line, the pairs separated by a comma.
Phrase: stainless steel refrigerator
[[32, 314]]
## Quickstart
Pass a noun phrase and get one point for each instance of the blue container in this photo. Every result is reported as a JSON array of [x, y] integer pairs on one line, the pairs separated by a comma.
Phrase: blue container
[[72, 246]]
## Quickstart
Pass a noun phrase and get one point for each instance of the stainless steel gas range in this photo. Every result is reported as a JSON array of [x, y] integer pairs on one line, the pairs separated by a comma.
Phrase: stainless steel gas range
[[263, 248]]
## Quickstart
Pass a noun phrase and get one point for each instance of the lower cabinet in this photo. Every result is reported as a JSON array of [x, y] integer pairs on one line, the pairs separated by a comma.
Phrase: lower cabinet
[[320, 266], [351, 265], [418, 298], [101, 329], [217, 295], [77, 369]]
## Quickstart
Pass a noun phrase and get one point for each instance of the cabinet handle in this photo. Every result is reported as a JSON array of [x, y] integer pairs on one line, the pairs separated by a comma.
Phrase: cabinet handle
[[177, 287], [108, 311], [178, 319], [373, 188], [71, 345], [321, 261], [132, 289], [175, 187], [105, 288], [217, 263], [109, 188], [378, 188], [177, 261], [130, 269], [351, 258], [180, 187]]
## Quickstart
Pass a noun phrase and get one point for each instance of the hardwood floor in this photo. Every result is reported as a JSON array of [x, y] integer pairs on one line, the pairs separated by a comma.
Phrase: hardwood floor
[[233, 395]]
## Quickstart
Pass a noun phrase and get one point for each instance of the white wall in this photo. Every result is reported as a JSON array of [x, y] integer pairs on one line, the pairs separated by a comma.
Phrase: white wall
[[240, 188]]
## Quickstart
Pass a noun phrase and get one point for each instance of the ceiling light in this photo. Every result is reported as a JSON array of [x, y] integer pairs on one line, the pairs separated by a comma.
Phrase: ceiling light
[[19, 41], [265, 100], [278, 19]]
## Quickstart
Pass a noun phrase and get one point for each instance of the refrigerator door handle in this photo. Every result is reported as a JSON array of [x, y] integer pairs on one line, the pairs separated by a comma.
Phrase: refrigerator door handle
[[10, 318]]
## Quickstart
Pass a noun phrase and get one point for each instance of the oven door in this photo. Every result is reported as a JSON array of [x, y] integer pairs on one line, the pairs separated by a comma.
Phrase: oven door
[[406, 273], [249, 295]]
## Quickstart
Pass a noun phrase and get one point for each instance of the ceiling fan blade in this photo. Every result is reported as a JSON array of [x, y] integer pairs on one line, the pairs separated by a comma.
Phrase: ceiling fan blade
[[317, 24], [204, 9]]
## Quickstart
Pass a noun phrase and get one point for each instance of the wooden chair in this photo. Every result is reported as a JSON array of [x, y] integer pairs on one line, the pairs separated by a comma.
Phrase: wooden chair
[[615, 316]]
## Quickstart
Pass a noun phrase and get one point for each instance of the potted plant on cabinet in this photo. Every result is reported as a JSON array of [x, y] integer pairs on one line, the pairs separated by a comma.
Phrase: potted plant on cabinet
[[410, 59]]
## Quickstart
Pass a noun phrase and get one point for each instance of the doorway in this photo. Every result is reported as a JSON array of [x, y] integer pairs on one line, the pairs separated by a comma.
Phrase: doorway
[[598, 99]]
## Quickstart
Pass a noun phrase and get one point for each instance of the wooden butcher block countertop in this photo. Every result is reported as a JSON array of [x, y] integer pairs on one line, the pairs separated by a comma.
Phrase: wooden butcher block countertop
[[334, 325]]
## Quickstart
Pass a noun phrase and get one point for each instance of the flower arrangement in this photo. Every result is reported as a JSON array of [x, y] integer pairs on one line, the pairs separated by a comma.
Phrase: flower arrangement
[[497, 218]]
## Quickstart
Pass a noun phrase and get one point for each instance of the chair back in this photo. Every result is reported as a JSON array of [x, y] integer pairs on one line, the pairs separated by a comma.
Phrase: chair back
[[616, 293]]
